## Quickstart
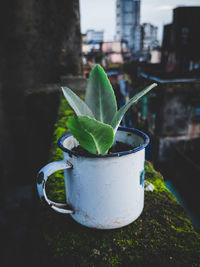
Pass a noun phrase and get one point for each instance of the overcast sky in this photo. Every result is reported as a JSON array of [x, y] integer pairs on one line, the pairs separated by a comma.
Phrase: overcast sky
[[100, 14]]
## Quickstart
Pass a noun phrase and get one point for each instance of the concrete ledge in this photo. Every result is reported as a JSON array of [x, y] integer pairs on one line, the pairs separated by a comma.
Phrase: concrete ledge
[[75, 83], [162, 236]]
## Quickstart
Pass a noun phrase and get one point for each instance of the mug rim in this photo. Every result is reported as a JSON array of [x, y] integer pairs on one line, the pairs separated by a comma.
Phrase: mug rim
[[118, 154]]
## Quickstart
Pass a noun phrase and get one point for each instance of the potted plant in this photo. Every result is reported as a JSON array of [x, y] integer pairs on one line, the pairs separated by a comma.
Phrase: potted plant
[[103, 163]]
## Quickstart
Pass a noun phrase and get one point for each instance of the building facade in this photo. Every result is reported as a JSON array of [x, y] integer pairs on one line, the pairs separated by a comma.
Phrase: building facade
[[128, 23], [94, 36], [181, 41], [148, 37], [115, 52]]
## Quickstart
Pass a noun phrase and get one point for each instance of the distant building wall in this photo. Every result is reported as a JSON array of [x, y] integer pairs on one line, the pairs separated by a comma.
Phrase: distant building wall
[[181, 41], [128, 23], [155, 56], [179, 117], [85, 48], [115, 52], [149, 37], [108, 47], [115, 58], [173, 114], [94, 36]]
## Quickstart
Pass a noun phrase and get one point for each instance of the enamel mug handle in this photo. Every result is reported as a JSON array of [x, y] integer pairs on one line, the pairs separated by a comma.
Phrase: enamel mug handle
[[42, 177]]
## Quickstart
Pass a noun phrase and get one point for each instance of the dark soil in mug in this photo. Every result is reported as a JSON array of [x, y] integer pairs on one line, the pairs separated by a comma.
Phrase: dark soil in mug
[[118, 147]]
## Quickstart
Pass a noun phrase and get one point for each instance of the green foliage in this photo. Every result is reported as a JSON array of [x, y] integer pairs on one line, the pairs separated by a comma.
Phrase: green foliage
[[77, 103], [100, 96], [100, 105], [90, 133]]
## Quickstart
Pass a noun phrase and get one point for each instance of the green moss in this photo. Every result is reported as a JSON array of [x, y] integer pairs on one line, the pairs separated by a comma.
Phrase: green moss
[[55, 185], [155, 178], [162, 236], [114, 261]]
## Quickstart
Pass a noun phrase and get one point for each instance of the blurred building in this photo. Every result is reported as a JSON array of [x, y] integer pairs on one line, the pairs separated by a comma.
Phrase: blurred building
[[155, 55], [104, 53], [91, 46], [85, 45], [181, 41], [94, 36], [148, 37], [128, 23], [115, 52], [91, 42]]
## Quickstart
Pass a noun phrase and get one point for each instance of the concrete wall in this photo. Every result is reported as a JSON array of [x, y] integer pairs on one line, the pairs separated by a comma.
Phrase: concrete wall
[[177, 116], [40, 41]]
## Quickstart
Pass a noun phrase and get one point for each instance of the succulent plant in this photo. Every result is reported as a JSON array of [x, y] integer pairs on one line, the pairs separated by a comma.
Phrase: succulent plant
[[97, 119]]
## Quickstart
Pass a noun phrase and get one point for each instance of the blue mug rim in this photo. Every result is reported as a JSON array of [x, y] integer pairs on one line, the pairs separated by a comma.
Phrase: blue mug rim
[[119, 154]]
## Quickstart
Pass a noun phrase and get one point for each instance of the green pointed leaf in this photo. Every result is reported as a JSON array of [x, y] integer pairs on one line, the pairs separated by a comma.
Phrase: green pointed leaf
[[120, 113], [77, 104], [94, 136], [100, 96]]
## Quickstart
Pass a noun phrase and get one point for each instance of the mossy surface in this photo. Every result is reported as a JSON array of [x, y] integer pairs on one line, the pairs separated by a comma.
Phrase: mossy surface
[[162, 236]]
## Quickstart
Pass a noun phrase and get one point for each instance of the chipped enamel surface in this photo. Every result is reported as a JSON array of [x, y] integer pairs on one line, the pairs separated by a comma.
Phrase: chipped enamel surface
[[105, 192]]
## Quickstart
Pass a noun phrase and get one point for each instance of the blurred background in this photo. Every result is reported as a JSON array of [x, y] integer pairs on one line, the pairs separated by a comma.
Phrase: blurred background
[[46, 44]]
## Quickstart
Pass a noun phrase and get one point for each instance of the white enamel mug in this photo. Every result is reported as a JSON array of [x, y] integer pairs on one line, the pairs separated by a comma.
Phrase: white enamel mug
[[103, 191]]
